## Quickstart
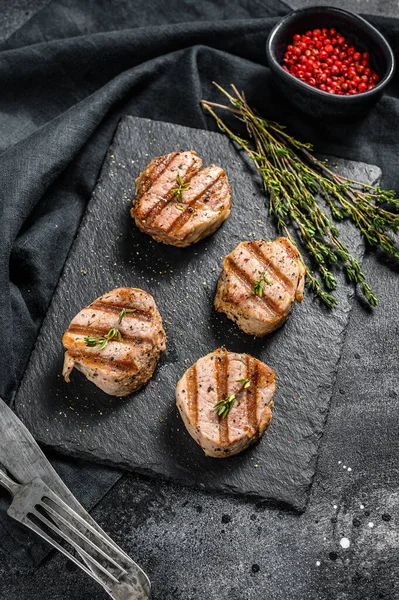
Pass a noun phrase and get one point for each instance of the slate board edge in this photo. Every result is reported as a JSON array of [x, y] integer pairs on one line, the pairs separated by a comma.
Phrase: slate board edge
[[292, 507], [81, 454], [143, 470], [338, 363]]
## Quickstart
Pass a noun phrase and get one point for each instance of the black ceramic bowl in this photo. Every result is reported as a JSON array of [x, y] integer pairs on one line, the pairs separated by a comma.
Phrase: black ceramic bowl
[[312, 100]]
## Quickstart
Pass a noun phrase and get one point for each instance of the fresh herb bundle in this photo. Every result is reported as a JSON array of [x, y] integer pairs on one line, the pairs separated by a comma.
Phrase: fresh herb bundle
[[294, 178]]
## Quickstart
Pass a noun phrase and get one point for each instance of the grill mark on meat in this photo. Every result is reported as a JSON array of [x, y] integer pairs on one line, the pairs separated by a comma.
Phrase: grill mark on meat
[[118, 364], [154, 207], [156, 210], [279, 265], [277, 274], [219, 374], [251, 395], [247, 282], [116, 308], [222, 367], [122, 366], [76, 329], [186, 214], [155, 172], [256, 382], [192, 394]]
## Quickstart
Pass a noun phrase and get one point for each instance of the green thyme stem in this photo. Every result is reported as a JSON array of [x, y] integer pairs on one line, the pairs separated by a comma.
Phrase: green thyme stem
[[124, 312], [224, 406], [257, 289], [246, 382], [103, 341], [295, 179], [181, 187]]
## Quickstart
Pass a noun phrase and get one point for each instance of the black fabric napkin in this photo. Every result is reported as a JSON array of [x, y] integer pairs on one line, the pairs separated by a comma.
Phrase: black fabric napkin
[[66, 78]]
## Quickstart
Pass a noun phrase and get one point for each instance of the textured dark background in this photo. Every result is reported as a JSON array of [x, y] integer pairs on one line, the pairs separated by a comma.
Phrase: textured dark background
[[235, 550]]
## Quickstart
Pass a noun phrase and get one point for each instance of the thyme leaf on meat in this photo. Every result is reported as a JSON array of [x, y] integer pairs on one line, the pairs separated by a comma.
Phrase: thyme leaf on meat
[[179, 207], [296, 181], [245, 382], [103, 341], [258, 285], [124, 312], [224, 406], [182, 187]]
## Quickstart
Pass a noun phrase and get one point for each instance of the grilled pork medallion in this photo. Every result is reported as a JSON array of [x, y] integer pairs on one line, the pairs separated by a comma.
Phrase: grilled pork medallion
[[177, 202], [259, 283], [116, 341], [225, 400]]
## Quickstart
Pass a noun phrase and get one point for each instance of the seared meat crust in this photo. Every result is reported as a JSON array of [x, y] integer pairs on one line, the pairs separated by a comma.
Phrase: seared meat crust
[[177, 202], [259, 283], [213, 378], [123, 365]]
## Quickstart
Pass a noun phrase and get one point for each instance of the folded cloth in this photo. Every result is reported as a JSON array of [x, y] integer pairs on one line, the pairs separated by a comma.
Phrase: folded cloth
[[66, 78], [68, 75]]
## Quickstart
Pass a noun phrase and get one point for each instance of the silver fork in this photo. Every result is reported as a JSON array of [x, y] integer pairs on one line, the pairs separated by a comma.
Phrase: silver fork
[[36, 506]]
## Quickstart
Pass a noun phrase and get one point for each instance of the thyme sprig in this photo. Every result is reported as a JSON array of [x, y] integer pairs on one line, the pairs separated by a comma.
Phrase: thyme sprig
[[123, 313], [246, 382], [181, 187], [257, 290], [224, 406], [103, 341], [294, 178]]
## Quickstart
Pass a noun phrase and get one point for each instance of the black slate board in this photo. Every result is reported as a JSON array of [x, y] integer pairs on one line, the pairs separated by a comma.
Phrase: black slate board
[[144, 433]]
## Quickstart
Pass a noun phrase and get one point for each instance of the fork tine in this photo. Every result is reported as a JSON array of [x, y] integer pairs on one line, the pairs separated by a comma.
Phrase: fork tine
[[39, 508], [49, 495], [28, 523], [65, 537], [87, 540]]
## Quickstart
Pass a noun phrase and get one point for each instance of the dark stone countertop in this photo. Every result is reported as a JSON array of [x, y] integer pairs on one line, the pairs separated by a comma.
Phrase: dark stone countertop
[[229, 549]]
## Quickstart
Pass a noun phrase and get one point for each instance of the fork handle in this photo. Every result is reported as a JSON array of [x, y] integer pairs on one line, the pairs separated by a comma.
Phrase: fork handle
[[8, 483]]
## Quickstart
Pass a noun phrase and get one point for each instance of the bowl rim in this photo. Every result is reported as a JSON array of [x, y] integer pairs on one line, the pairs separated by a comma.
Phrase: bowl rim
[[354, 98]]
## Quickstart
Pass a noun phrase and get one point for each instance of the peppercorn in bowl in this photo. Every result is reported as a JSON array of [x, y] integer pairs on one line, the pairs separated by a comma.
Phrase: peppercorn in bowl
[[329, 62]]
